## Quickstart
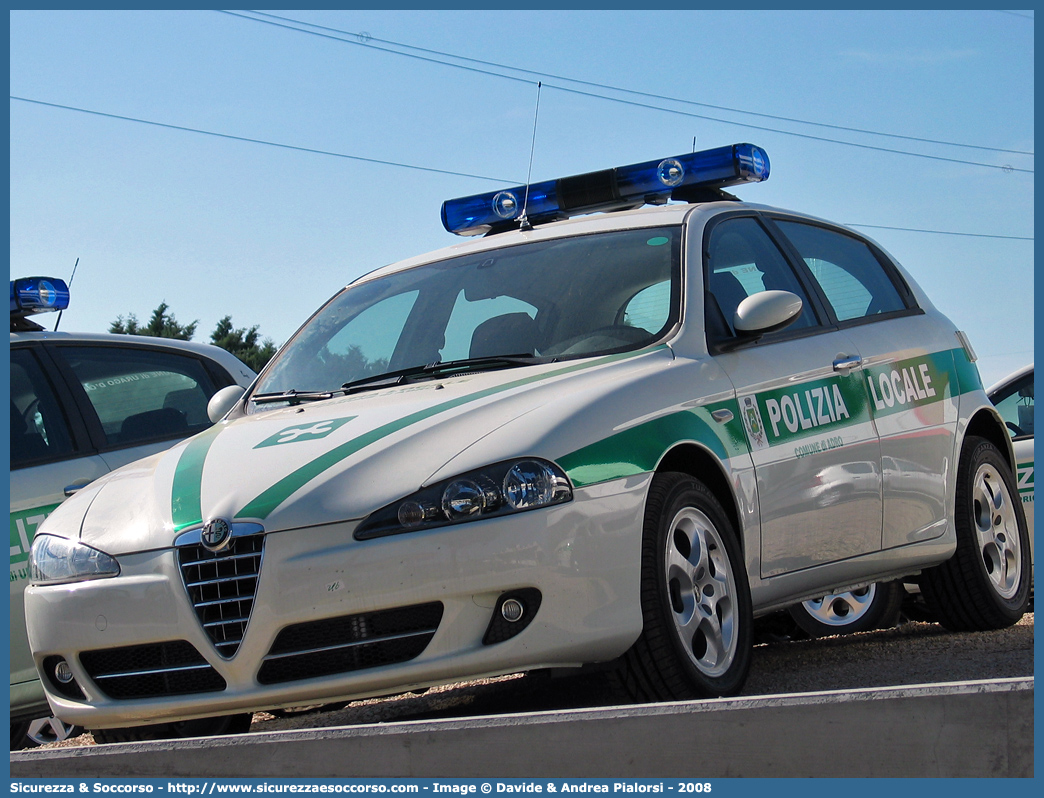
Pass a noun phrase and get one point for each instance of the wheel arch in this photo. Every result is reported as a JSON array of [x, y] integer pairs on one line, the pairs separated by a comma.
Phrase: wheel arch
[[986, 423], [701, 464]]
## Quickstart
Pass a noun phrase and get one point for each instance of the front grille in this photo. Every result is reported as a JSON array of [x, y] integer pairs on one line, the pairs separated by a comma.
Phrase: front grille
[[148, 671], [350, 643], [222, 587]]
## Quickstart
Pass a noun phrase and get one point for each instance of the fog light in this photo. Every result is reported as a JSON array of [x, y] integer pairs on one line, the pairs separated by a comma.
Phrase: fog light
[[63, 672], [512, 614], [512, 610]]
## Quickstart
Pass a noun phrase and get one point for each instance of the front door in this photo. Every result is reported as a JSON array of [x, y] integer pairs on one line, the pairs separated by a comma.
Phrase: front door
[[805, 409]]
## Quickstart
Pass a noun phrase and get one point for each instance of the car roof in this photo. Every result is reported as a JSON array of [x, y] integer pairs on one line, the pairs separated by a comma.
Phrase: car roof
[[646, 216], [222, 357], [1016, 375]]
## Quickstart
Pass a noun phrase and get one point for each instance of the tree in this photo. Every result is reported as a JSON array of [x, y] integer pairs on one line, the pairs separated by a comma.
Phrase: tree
[[161, 325], [243, 343]]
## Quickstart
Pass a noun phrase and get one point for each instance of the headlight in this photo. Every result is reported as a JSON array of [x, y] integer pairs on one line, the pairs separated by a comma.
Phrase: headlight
[[513, 486], [53, 560]]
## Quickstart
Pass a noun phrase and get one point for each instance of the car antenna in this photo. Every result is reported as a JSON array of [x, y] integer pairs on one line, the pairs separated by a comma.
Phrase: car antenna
[[60, 312], [523, 221]]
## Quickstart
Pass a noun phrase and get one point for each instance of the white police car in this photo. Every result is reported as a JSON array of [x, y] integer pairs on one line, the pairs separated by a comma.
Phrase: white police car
[[574, 440], [81, 406]]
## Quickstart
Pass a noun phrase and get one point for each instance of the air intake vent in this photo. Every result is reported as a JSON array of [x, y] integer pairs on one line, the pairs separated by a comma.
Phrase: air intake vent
[[222, 584], [350, 643], [151, 671]]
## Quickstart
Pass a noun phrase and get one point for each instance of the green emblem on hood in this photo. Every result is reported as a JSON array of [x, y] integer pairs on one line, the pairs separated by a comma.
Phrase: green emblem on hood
[[304, 432]]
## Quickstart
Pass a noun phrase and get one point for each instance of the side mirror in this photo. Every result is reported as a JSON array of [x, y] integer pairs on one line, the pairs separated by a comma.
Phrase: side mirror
[[223, 401], [765, 312]]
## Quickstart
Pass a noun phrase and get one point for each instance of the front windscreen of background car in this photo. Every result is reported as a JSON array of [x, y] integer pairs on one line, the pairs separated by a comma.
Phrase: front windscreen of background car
[[559, 299]]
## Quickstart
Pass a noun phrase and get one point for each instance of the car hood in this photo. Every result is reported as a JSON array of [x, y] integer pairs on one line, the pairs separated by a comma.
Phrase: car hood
[[341, 459]]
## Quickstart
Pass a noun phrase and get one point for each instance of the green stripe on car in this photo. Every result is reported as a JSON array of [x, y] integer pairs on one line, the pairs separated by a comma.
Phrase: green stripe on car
[[24, 524], [185, 501], [637, 450], [914, 382]]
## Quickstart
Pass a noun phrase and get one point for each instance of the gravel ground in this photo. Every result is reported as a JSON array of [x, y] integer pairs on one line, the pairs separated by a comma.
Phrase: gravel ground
[[911, 653]]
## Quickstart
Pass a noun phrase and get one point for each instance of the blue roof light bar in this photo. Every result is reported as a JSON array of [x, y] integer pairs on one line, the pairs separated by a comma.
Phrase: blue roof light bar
[[32, 295], [652, 182]]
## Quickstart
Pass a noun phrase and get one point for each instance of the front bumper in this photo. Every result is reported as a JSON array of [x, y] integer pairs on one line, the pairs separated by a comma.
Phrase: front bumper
[[583, 557]]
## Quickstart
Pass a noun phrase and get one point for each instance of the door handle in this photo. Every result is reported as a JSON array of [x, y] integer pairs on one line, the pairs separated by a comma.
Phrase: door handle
[[847, 362]]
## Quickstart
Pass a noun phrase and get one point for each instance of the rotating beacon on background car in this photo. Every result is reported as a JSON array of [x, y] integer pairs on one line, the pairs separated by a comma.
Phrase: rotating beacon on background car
[[631, 417]]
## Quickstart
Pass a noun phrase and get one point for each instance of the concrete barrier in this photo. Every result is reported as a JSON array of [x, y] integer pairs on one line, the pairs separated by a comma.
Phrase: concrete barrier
[[981, 728]]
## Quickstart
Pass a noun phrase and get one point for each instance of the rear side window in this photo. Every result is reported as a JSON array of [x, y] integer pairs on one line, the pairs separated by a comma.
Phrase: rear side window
[[851, 277], [142, 395], [39, 431]]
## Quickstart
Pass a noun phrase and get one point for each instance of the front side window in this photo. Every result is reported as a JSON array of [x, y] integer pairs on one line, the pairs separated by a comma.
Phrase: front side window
[[548, 300], [851, 277], [742, 261], [142, 395]]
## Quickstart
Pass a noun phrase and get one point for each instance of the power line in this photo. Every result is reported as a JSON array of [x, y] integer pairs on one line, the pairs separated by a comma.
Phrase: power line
[[261, 141], [1015, 14], [364, 40], [399, 164], [789, 133], [940, 232], [375, 47]]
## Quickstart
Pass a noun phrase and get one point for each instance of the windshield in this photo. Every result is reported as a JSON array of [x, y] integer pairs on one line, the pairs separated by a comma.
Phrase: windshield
[[553, 300]]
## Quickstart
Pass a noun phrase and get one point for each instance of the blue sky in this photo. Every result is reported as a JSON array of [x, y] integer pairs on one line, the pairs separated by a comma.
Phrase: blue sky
[[215, 225]]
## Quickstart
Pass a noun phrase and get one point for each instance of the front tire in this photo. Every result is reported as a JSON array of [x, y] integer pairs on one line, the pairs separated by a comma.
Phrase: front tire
[[986, 583], [696, 608]]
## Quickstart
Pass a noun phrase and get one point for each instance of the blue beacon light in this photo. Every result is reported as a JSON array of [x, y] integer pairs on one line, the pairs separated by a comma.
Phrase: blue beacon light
[[652, 182], [32, 295]]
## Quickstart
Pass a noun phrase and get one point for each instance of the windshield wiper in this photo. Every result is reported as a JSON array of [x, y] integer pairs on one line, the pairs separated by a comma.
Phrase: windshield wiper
[[292, 396], [441, 369], [392, 378]]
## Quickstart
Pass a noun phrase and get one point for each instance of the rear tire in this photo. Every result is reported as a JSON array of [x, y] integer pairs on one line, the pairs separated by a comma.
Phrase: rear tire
[[986, 583], [203, 727], [876, 606], [696, 609]]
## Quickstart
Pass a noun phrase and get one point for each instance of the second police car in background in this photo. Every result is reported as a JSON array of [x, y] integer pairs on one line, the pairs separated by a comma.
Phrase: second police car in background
[[1013, 397], [601, 439], [83, 405]]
